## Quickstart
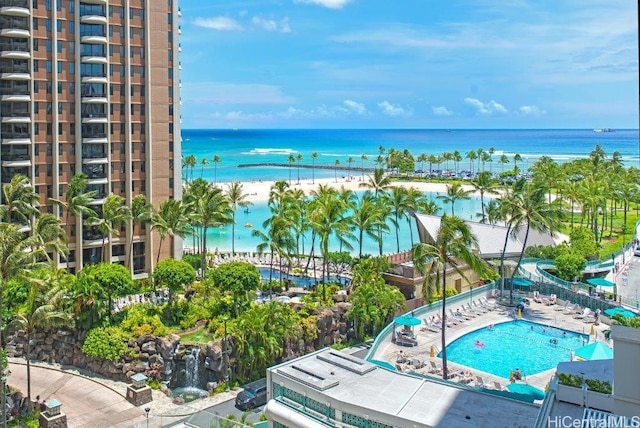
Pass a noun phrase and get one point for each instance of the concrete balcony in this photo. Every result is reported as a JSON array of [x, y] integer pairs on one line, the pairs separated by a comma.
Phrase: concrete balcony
[[94, 79], [15, 75], [94, 158], [16, 119], [93, 59], [95, 119], [95, 99], [95, 39], [15, 32], [15, 140], [95, 140], [95, 1], [17, 8], [16, 98], [93, 19]]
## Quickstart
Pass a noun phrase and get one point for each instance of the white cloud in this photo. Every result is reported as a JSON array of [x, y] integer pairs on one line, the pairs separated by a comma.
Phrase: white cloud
[[394, 109], [356, 107], [441, 111], [219, 23], [486, 108], [330, 4], [272, 24], [531, 111]]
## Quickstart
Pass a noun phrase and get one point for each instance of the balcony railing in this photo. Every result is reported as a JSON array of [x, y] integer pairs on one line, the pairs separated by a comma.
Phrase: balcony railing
[[9, 157], [14, 69], [94, 95], [93, 34], [94, 135], [14, 24], [13, 135], [14, 3], [94, 155], [14, 91], [15, 114], [14, 47]]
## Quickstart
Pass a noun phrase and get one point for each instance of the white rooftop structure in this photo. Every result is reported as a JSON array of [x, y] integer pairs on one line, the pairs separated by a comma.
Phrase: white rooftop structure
[[490, 237], [329, 387]]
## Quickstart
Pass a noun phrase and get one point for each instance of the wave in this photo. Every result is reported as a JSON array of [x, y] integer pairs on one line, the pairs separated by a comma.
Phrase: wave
[[271, 151]]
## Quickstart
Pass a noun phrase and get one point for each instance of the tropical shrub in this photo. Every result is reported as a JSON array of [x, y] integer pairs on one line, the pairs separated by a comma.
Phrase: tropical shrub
[[143, 319], [193, 259], [109, 343]]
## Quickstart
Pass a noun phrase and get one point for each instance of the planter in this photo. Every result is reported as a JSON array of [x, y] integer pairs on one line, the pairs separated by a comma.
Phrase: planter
[[569, 394], [594, 400], [597, 400]]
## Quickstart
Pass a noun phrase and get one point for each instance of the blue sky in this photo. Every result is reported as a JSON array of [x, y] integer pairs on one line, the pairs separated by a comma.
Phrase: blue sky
[[409, 64]]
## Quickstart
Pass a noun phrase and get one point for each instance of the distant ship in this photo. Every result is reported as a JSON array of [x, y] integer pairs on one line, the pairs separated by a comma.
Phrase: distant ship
[[598, 130]]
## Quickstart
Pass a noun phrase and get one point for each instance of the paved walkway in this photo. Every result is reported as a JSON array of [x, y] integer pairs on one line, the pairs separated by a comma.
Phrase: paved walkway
[[98, 402]]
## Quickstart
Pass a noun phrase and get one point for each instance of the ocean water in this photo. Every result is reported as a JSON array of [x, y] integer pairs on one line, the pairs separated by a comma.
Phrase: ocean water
[[237, 147]]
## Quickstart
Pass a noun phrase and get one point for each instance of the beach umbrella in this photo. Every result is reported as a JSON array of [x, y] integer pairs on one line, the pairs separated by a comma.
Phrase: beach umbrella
[[594, 351], [600, 282], [522, 282], [619, 311], [526, 389], [407, 320]]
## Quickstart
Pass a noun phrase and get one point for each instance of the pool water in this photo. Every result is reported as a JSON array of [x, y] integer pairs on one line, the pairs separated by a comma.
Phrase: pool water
[[301, 281], [531, 347]]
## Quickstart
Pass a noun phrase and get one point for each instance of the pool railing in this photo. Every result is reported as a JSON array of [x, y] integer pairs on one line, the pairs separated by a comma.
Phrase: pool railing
[[462, 298]]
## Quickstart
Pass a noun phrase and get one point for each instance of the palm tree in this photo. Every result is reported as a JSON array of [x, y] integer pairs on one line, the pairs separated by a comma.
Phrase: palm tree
[[337, 163], [20, 201], [363, 158], [483, 184], [378, 182], [50, 235], [314, 156], [349, 161], [398, 200], [455, 192], [140, 214], [170, 220], [454, 247], [516, 158], [19, 255], [291, 159], [299, 158], [212, 210], [78, 199], [532, 211], [367, 219], [115, 213], [457, 157], [189, 163], [236, 198], [432, 159], [504, 159], [216, 161], [472, 156], [277, 238], [203, 162], [43, 309]]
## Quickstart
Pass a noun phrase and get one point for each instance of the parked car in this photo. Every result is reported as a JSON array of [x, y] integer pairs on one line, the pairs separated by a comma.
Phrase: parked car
[[253, 395], [636, 251]]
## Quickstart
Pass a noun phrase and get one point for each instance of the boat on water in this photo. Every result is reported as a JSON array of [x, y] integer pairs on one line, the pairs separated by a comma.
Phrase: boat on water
[[599, 130]]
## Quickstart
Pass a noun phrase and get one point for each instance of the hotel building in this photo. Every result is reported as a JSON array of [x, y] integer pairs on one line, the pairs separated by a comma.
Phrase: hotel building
[[93, 86]]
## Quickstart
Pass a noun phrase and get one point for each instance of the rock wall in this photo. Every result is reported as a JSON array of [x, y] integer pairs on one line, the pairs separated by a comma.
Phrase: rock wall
[[163, 358]]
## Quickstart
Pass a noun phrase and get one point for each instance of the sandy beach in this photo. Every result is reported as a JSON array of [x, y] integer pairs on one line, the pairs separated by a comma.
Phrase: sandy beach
[[258, 191]]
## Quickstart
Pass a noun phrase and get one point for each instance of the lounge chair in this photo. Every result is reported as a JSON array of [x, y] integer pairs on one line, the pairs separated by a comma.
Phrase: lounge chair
[[429, 326], [417, 364], [498, 386], [402, 369], [487, 304], [479, 308], [459, 316], [569, 309], [537, 297], [469, 311], [592, 317], [585, 313], [480, 382], [435, 368], [403, 340], [448, 322], [561, 308], [465, 377], [553, 299]]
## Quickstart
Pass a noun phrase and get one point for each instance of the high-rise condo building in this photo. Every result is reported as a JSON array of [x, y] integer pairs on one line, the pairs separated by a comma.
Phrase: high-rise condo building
[[93, 86]]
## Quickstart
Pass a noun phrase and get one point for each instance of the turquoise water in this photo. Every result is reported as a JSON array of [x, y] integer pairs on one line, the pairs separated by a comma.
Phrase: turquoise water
[[220, 238], [515, 344]]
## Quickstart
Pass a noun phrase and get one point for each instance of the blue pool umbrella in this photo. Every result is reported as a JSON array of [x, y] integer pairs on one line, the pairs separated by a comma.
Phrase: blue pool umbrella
[[600, 282], [408, 320], [522, 282], [526, 389], [619, 311], [594, 351]]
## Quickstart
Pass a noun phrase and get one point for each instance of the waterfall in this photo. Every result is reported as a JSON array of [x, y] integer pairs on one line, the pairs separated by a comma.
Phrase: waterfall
[[192, 378]]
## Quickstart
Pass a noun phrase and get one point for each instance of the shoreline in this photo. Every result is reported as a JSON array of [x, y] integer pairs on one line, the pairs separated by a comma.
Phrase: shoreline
[[258, 191]]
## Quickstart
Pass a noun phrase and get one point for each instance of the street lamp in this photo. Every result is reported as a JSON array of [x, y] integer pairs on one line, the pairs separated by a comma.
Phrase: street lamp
[[147, 410], [225, 356]]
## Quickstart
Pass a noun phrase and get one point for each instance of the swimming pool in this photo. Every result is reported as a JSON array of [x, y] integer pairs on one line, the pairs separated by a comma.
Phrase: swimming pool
[[531, 347], [302, 281]]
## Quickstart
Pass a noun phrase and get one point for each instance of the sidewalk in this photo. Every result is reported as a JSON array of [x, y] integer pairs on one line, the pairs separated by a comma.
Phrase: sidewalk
[[99, 402]]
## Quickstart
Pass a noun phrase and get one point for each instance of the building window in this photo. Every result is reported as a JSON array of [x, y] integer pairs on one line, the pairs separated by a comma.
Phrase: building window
[[47, 25], [72, 27], [49, 172], [59, 26], [72, 68], [49, 132], [49, 66], [59, 66], [48, 45], [59, 46], [171, 183], [60, 109]]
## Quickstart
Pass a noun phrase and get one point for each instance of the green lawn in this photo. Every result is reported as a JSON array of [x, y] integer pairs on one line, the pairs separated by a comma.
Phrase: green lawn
[[201, 335]]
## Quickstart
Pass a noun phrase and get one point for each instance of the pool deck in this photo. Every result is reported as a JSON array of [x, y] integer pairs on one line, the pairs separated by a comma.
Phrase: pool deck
[[538, 312]]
